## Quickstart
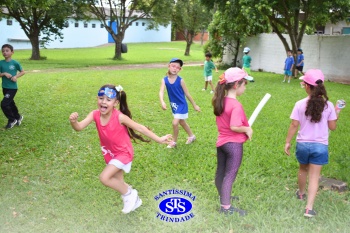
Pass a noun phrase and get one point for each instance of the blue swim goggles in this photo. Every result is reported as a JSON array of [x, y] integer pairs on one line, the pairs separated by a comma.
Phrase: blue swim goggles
[[109, 92]]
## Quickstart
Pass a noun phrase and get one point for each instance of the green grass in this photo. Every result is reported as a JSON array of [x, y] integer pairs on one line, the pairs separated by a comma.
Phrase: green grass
[[49, 173], [103, 56]]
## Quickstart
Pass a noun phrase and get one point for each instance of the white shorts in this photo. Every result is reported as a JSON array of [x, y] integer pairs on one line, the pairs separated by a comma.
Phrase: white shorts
[[120, 165], [208, 78], [180, 116]]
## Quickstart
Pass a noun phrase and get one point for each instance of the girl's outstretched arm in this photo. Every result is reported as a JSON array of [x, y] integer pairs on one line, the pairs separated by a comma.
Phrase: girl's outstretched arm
[[78, 126], [293, 128], [125, 120], [161, 94]]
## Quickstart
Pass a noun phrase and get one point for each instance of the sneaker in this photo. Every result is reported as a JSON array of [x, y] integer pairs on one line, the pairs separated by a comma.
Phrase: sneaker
[[204, 89], [171, 145], [19, 121], [231, 210], [309, 213], [288, 81], [191, 139], [130, 201], [137, 204], [211, 92], [11, 124], [299, 196], [283, 81]]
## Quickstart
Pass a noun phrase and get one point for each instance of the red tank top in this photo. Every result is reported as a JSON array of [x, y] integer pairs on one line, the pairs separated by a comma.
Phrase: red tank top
[[114, 138]]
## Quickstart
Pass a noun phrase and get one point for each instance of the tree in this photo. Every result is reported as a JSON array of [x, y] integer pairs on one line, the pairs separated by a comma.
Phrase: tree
[[39, 19], [189, 18], [230, 27], [124, 12], [294, 16]]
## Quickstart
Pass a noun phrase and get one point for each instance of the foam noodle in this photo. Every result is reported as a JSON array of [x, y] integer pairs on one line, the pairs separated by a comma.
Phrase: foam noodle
[[258, 108]]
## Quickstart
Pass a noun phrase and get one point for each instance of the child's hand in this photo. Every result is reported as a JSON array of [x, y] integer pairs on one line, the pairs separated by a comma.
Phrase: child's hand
[[73, 117], [14, 79], [249, 133], [7, 75], [287, 148], [167, 139], [197, 108], [163, 106]]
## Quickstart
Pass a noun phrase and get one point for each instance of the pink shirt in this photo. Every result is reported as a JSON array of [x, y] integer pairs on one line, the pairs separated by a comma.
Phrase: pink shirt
[[233, 115], [114, 139], [311, 131]]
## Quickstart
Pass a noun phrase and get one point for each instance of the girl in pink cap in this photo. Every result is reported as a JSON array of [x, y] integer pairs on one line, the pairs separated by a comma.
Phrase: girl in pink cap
[[314, 116], [116, 129], [234, 130]]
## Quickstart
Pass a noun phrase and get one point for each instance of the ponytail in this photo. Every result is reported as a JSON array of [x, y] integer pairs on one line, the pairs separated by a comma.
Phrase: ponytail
[[317, 101]]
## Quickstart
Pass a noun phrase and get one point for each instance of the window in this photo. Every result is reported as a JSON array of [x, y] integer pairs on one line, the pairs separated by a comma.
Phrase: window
[[102, 26], [9, 22], [66, 24], [137, 23], [76, 25], [130, 24], [85, 25], [93, 25], [143, 24], [346, 30]]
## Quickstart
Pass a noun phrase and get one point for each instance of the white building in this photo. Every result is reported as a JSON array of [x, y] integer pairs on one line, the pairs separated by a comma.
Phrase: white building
[[83, 34]]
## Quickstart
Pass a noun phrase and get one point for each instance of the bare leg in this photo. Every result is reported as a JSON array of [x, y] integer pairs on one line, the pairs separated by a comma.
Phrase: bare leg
[[211, 85], [175, 129], [302, 177], [206, 85], [186, 127], [114, 178], [314, 175]]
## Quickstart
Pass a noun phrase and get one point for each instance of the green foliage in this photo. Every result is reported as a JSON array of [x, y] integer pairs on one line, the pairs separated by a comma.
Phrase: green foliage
[[230, 27], [189, 18], [40, 18], [49, 173]]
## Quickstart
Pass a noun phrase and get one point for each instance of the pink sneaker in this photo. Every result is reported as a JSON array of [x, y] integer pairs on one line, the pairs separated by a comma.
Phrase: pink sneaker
[[191, 139]]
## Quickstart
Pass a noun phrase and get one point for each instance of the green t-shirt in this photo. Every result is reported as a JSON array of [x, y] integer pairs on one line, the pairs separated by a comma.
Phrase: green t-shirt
[[11, 67], [208, 68], [246, 61]]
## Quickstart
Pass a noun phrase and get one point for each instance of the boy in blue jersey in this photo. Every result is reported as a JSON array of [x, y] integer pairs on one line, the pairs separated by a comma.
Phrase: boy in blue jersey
[[177, 93], [10, 71], [288, 66]]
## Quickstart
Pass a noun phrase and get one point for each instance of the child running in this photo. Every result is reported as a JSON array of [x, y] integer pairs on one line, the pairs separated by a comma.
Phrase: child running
[[314, 116], [247, 59], [10, 71], [115, 129], [234, 130], [208, 72], [177, 91], [300, 63]]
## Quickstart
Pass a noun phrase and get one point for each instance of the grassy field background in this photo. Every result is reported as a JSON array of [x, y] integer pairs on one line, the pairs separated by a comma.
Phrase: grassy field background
[[49, 173]]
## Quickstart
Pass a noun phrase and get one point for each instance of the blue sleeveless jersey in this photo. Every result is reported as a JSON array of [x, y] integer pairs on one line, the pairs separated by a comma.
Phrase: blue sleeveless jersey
[[177, 98]]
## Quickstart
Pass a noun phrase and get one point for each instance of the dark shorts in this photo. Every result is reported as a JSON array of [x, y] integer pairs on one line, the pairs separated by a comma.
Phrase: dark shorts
[[300, 68], [311, 152]]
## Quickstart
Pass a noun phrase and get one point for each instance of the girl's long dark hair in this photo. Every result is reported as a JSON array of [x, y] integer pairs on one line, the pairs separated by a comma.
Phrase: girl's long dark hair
[[123, 107], [317, 101], [219, 95]]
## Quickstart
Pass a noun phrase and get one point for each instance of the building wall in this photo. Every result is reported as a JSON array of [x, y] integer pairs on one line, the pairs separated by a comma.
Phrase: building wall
[[179, 36], [77, 37], [331, 54]]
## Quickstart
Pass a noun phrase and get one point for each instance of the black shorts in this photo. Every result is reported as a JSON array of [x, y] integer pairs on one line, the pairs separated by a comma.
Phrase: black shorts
[[300, 68]]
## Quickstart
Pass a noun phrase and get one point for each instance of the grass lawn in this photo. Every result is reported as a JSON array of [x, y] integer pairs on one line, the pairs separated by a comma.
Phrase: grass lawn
[[49, 173]]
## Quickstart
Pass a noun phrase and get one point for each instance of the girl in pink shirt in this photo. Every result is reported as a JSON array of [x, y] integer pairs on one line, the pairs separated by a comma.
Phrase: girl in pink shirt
[[314, 116], [234, 130], [116, 129]]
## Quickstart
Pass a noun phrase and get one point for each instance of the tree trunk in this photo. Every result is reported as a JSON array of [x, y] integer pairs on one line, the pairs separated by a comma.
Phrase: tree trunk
[[118, 47], [34, 40], [189, 40], [235, 58]]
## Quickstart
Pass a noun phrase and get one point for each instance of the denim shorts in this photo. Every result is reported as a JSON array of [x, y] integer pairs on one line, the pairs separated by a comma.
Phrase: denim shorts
[[311, 152]]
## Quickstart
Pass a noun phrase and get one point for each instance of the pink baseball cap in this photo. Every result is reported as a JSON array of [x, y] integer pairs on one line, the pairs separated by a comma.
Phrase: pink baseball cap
[[312, 77], [234, 74]]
